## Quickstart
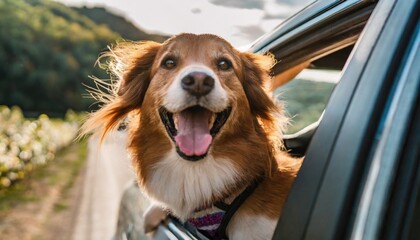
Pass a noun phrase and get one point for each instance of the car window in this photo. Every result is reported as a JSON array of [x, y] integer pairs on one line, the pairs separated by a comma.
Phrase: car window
[[306, 95]]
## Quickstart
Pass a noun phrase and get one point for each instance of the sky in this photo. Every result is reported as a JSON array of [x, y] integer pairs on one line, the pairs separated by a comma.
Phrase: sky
[[238, 21]]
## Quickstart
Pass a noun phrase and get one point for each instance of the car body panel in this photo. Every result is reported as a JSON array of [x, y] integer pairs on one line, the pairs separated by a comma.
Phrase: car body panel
[[392, 136], [344, 137]]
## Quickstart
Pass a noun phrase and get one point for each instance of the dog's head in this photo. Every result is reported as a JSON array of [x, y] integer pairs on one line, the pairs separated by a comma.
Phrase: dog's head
[[197, 100]]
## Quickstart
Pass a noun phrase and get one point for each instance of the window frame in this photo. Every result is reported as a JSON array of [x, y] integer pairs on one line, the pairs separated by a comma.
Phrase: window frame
[[336, 25]]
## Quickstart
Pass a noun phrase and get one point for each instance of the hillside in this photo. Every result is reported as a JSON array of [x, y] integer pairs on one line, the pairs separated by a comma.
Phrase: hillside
[[118, 24], [47, 53]]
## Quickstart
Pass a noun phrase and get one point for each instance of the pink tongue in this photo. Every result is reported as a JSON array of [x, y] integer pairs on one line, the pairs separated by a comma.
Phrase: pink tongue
[[193, 137]]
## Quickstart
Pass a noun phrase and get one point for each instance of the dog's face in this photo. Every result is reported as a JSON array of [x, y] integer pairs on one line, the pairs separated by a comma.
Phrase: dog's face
[[202, 125], [195, 85]]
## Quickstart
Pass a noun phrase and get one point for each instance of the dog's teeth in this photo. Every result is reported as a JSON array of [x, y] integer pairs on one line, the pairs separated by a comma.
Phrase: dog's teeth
[[211, 120], [175, 117]]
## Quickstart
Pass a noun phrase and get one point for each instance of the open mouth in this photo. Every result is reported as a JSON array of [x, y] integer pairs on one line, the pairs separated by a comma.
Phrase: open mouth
[[193, 129]]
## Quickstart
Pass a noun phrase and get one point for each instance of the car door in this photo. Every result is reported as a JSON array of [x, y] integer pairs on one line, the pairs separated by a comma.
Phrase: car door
[[326, 198]]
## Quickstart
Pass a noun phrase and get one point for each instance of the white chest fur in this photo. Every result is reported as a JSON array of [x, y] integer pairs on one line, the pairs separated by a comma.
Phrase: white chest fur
[[183, 186]]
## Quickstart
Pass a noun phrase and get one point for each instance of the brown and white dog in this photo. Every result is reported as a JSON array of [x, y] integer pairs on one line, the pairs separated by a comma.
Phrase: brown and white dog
[[202, 128]]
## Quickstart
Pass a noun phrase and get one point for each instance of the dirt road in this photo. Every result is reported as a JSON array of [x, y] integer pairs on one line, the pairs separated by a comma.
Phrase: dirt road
[[108, 172]]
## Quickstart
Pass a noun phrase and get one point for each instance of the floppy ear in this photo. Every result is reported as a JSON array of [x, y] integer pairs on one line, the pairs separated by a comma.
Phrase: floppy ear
[[256, 80], [132, 65], [256, 70], [129, 65]]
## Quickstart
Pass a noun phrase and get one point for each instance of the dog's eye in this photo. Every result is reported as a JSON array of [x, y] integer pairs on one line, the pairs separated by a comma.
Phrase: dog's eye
[[224, 65], [169, 63]]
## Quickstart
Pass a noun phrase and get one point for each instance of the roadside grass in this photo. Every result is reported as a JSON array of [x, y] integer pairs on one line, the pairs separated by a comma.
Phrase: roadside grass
[[60, 172]]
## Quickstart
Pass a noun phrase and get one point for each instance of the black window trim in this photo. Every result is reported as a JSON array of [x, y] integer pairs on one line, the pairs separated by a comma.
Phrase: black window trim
[[333, 34]]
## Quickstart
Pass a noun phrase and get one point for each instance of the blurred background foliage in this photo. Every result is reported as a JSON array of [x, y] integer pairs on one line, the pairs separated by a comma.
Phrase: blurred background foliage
[[48, 51], [304, 101]]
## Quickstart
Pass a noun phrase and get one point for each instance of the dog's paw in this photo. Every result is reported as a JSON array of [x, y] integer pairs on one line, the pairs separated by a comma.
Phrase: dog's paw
[[153, 216]]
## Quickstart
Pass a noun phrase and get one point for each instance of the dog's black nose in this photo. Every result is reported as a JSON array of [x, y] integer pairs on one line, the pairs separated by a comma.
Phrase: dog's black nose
[[197, 83]]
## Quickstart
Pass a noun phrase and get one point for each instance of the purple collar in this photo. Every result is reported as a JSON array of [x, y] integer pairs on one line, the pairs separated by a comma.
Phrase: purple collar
[[208, 222], [213, 221]]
